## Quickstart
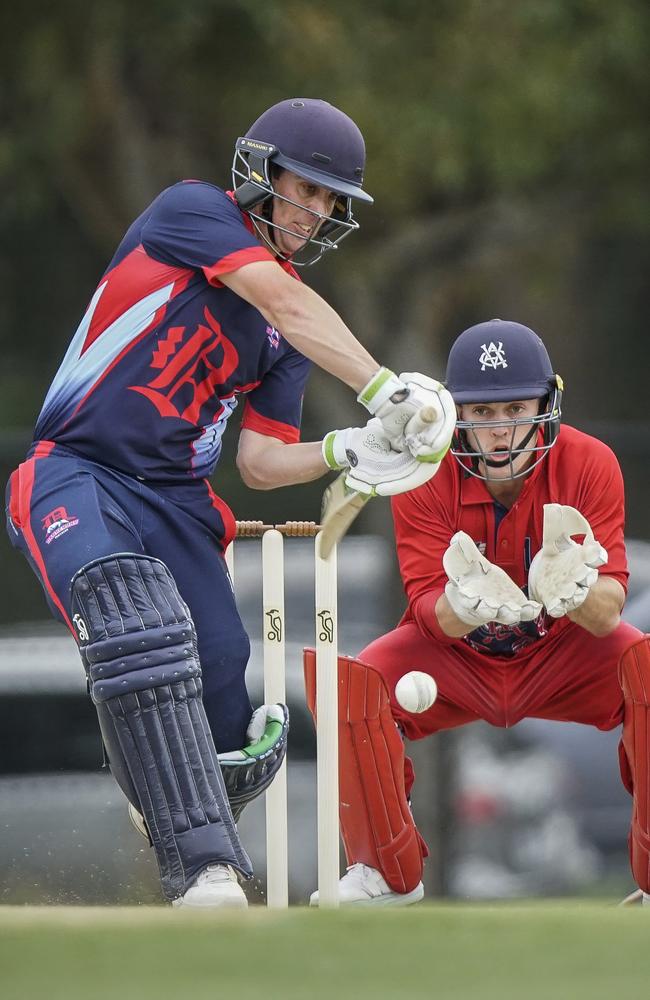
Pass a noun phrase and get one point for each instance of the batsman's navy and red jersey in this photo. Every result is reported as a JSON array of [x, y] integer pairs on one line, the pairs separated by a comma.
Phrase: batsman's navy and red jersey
[[579, 471], [164, 349]]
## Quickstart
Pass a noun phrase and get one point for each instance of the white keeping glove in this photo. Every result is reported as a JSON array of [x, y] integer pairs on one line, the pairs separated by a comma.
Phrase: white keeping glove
[[398, 402], [480, 592], [374, 468], [563, 572]]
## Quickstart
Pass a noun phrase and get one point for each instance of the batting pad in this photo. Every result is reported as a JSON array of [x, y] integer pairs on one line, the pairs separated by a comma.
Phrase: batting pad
[[634, 675], [139, 649], [376, 822]]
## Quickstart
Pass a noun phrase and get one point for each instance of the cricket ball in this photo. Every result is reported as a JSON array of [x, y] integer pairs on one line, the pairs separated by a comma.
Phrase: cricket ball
[[416, 691]]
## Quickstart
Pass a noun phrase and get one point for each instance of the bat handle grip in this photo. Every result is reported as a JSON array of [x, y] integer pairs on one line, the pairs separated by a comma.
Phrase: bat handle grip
[[425, 416]]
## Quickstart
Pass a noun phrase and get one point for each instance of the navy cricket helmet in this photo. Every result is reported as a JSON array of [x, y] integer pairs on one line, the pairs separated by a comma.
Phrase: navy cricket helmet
[[498, 362], [319, 143]]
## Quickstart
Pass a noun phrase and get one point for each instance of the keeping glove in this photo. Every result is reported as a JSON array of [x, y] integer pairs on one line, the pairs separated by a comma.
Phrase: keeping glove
[[398, 402], [374, 468], [480, 592], [563, 571]]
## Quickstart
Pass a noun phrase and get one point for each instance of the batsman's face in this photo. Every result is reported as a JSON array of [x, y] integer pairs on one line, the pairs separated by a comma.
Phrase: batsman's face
[[299, 218], [497, 436]]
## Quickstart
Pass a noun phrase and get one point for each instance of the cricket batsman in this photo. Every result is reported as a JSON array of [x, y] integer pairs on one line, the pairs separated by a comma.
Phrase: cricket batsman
[[200, 309], [515, 571]]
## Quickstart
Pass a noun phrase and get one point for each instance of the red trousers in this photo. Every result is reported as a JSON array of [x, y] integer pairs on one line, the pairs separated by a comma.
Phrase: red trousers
[[569, 677]]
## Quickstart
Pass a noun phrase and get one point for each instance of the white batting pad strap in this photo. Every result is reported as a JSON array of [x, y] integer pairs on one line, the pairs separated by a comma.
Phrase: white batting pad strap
[[480, 592]]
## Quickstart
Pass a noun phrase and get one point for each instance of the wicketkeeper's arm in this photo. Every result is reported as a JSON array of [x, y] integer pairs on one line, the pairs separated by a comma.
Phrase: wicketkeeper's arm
[[448, 621], [600, 612]]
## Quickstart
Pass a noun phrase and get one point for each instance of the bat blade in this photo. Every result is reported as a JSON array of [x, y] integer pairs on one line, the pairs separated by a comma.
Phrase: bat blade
[[340, 507]]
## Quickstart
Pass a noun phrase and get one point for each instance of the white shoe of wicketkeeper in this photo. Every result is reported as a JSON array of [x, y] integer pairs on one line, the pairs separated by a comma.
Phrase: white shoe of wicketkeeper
[[215, 886], [365, 886]]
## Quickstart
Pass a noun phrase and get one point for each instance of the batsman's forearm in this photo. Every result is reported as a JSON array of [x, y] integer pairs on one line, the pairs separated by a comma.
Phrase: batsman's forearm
[[600, 613], [279, 464], [317, 331]]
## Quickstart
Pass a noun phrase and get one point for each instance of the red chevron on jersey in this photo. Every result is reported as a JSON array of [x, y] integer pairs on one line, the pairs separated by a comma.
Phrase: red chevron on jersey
[[136, 276]]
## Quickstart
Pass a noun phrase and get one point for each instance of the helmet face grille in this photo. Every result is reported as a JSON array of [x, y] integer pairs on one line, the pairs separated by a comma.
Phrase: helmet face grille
[[254, 190], [533, 447]]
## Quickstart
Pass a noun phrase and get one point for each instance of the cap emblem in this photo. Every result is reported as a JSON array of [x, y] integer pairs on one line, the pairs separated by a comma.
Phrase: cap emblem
[[492, 356]]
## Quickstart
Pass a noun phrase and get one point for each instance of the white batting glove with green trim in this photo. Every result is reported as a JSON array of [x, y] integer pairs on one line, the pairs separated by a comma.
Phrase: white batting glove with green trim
[[429, 441], [374, 468], [398, 402], [480, 592], [563, 571]]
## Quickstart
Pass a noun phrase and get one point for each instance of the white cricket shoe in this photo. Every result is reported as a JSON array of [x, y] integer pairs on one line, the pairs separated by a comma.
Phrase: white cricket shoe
[[365, 886], [215, 886]]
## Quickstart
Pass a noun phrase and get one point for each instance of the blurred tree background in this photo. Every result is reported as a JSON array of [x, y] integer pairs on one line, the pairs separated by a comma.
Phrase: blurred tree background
[[507, 154]]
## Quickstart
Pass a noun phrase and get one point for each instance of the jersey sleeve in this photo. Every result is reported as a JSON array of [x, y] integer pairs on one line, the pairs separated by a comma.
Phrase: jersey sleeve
[[424, 525], [193, 224], [274, 408], [601, 499]]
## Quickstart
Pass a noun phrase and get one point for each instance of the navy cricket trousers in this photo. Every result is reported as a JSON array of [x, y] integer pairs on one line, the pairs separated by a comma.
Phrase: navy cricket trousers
[[64, 511]]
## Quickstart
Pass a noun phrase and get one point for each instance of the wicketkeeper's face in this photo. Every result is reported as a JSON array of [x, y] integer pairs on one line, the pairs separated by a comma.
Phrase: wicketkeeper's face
[[499, 430]]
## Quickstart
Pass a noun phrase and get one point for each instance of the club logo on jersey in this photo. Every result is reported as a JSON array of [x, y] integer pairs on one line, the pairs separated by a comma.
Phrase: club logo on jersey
[[57, 522], [482, 547], [492, 356], [191, 373], [273, 336]]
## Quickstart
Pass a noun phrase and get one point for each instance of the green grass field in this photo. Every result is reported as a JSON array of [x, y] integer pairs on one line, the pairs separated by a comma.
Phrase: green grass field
[[544, 951]]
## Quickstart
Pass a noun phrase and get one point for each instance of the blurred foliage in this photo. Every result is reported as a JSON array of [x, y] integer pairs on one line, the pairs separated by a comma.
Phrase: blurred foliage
[[507, 154]]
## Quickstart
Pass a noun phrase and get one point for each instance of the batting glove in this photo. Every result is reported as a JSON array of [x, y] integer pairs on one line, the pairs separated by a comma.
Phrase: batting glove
[[480, 592], [374, 468], [399, 401], [563, 571]]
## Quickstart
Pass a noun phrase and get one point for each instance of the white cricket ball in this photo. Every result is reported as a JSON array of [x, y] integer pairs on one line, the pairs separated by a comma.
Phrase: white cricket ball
[[416, 691]]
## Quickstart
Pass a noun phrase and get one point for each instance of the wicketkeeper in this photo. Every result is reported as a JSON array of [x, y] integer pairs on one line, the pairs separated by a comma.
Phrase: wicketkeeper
[[200, 308], [515, 571]]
